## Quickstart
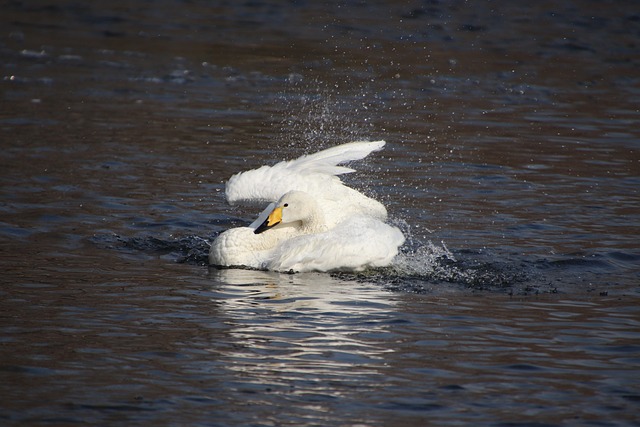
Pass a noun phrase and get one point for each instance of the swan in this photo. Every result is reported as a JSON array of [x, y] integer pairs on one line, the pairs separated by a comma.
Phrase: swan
[[316, 222]]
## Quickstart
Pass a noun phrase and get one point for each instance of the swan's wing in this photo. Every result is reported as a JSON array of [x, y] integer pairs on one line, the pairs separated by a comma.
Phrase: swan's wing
[[327, 161], [311, 173], [355, 244]]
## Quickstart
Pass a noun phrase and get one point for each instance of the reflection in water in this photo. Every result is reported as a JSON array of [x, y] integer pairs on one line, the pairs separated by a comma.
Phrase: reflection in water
[[318, 345], [310, 341], [304, 326]]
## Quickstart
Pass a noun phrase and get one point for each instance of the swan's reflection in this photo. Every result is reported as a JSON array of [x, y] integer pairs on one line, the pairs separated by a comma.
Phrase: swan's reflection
[[305, 329]]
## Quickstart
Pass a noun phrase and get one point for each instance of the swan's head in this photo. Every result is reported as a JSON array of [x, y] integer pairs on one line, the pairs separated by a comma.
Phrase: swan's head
[[295, 208]]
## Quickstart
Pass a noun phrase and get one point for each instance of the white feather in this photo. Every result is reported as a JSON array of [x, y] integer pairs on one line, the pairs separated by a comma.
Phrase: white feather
[[325, 225], [314, 173]]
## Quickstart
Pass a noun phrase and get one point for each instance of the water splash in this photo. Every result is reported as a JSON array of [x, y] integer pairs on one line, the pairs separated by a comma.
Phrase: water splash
[[428, 260], [318, 116], [423, 267]]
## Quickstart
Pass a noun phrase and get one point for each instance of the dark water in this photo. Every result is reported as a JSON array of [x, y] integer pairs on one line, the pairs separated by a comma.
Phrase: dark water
[[512, 165]]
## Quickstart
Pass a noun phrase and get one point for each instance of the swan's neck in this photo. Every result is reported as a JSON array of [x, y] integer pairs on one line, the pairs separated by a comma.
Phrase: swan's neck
[[315, 223]]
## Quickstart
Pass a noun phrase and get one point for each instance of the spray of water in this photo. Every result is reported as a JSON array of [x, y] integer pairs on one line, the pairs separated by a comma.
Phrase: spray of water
[[318, 117], [315, 118]]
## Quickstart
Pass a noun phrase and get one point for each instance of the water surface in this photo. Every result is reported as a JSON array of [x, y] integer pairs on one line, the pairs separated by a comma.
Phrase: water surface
[[512, 165]]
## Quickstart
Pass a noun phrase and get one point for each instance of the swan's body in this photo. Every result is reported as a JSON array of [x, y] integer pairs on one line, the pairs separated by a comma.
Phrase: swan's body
[[316, 222]]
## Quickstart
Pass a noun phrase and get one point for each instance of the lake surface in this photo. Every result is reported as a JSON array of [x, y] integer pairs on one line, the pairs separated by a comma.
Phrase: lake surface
[[512, 166]]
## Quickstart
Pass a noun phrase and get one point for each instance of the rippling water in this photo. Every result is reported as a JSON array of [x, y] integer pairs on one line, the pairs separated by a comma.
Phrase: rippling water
[[512, 165]]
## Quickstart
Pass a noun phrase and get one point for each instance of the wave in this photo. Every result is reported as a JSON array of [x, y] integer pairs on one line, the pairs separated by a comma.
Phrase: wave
[[426, 267]]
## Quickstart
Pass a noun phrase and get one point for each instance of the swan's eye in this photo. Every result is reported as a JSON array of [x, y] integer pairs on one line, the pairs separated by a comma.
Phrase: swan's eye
[[286, 205]]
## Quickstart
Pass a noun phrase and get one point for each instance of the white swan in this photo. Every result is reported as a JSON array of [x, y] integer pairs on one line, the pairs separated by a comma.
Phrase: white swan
[[317, 223]]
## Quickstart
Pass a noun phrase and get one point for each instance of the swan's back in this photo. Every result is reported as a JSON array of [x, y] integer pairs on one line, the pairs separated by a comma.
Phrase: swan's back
[[358, 243]]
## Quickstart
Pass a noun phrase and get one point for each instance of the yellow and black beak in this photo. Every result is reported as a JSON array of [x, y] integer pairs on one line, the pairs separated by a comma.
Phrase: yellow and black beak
[[274, 218]]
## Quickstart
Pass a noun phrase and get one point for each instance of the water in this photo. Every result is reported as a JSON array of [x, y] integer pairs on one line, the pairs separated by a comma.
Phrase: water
[[512, 165]]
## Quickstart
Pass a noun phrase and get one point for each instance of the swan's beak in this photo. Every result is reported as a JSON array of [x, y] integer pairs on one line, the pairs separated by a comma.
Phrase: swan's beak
[[274, 218]]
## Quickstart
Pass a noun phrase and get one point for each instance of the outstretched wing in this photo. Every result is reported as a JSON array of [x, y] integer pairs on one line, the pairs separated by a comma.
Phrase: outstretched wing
[[327, 161], [314, 173]]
